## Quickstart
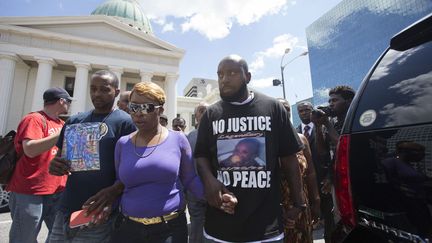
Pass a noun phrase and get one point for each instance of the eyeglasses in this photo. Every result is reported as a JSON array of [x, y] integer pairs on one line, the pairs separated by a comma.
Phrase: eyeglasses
[[66, 100], [142, 108]]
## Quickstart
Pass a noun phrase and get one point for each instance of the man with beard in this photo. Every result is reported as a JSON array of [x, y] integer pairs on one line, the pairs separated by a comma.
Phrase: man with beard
[[92, 190], [328, 128], [252, 115]]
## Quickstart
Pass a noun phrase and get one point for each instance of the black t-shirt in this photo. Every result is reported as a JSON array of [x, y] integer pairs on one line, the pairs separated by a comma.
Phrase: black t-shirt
[[81, 185], [243, 144]]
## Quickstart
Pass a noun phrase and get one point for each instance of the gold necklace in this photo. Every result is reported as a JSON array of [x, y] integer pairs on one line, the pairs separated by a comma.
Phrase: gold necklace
[[154, 148]]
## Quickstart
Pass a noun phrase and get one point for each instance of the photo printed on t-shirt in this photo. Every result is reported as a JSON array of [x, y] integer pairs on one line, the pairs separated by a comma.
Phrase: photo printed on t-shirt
[[243, 153]]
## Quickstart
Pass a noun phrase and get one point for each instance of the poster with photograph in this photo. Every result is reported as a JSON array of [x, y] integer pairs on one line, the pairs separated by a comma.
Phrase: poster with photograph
[[81, 145]]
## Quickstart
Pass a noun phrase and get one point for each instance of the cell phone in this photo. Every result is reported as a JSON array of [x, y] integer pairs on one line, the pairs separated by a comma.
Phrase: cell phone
[[78, 219]]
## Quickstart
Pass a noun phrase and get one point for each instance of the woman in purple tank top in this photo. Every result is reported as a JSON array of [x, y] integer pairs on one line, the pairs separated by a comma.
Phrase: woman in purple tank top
[[154, 164]]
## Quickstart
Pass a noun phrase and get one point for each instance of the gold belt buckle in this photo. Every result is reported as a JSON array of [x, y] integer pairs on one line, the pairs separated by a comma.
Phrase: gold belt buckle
[[148, 221], [154, 220]]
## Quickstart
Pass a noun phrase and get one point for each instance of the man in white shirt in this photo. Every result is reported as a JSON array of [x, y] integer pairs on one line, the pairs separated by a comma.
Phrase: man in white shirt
[[321, 162], [306, 127]]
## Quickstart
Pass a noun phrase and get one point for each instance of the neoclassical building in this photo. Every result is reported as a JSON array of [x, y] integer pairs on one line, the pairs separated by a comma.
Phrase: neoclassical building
[[41, 52]]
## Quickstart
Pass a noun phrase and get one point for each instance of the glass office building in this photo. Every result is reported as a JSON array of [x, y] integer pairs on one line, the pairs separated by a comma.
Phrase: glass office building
[[346, 41]]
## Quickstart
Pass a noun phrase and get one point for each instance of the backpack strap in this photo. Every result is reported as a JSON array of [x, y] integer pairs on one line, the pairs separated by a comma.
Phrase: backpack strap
[[44, 124], [44, 121]]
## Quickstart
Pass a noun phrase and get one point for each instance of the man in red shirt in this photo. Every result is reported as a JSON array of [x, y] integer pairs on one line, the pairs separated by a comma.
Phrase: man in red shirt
[[34, 192]]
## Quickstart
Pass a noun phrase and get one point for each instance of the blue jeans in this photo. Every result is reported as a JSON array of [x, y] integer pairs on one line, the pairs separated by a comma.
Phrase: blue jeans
[[197, 209], [28, 212], [172, 231], [62, 233]]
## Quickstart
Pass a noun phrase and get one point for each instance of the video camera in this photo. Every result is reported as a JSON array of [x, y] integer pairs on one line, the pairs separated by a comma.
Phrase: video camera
[[326, 109]]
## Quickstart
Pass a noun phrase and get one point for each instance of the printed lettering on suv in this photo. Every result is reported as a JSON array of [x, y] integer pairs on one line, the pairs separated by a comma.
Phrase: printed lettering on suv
[[383, 169]]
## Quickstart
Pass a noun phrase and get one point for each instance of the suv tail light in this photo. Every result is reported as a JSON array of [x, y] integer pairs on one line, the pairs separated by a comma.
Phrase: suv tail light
[[343, 182]]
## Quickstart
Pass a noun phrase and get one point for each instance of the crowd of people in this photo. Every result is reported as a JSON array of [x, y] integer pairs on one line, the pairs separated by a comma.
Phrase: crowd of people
[[244, 173]]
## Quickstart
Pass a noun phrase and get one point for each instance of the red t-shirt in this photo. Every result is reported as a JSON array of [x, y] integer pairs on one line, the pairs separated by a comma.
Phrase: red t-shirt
[[31, 174]]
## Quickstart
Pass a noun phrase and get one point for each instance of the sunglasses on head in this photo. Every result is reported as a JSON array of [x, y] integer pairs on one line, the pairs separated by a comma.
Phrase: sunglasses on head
[[142, 108]]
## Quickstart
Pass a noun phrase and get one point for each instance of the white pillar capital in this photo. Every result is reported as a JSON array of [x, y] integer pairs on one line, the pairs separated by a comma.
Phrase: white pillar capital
[[46, 60], [118, 72], [43, 81], [9, 56], [146, 75], [84, 65], [171, 93], [171, 76], [116, 69], [80, 87], [7, 75]]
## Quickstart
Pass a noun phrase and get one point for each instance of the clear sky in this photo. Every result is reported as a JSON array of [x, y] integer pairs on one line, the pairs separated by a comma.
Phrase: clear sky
[[208, 30]]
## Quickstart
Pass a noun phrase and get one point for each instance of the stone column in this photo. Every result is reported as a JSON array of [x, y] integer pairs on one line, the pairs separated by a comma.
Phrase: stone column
[[118, 72], [171, 96], [186, 116], [80, 87], [43, 81], [7, 73], [146, 76]]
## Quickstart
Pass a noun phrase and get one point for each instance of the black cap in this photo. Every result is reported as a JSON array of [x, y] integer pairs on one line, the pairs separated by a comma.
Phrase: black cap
[[53, 94]]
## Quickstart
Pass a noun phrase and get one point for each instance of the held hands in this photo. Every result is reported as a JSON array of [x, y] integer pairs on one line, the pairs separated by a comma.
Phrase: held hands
[[229, 201], [219, 197], [213, 192], [59, 167]]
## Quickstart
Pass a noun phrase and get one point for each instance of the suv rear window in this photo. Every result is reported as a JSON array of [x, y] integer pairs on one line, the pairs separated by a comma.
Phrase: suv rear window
[[399, 91]]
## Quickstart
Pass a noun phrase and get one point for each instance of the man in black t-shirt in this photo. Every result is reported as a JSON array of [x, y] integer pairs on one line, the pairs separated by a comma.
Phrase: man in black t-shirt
[[244, 154], [244, 201], [328, 129], [329, 126]]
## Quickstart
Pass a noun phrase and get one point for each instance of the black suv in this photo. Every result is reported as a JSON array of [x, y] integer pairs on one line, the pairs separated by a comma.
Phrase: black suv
[[383, 170]]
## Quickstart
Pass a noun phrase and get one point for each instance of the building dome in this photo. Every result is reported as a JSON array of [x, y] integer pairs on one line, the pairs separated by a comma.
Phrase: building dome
[[128, 11]]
